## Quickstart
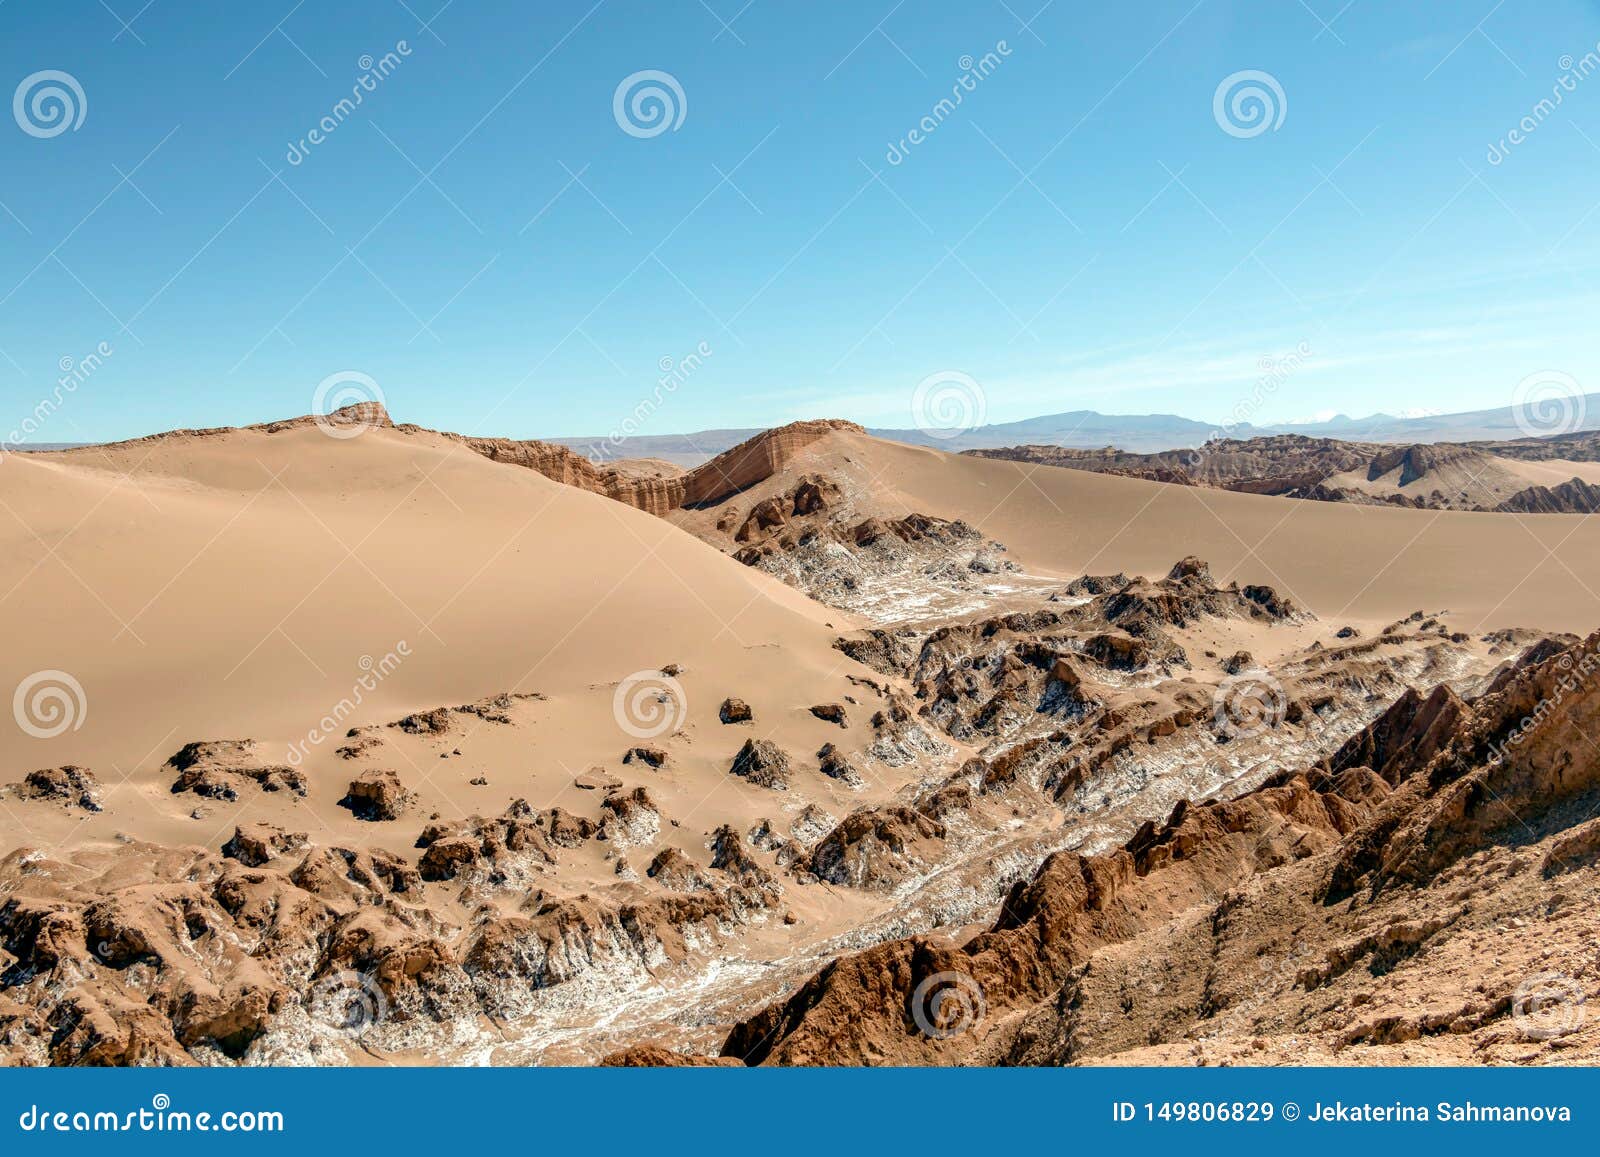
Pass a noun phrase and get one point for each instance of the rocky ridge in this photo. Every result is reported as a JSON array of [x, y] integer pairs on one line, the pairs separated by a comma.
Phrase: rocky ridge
[[1342, 912], [1439, 476]]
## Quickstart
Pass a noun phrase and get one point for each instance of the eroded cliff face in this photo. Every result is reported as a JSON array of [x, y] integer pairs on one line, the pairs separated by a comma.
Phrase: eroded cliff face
[[756, 460], [745, 465], [657, 495], [1441, 475]]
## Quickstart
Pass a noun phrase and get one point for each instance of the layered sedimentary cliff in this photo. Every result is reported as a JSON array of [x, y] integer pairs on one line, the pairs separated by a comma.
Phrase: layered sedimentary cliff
[[745, 465], [1442, 476]]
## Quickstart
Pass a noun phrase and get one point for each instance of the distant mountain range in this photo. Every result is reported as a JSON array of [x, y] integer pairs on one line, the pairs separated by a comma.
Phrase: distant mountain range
[[1091, 430]]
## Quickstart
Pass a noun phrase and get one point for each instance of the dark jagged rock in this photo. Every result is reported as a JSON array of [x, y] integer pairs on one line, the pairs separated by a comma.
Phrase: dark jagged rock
[[74, 786], [761, 762], [831, 713]]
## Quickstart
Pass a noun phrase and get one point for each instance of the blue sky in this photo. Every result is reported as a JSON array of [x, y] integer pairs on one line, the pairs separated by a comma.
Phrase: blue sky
[[484, 240]]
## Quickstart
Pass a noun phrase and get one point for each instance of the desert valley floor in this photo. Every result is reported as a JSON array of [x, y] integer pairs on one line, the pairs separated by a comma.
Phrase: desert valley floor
[[399, 746]]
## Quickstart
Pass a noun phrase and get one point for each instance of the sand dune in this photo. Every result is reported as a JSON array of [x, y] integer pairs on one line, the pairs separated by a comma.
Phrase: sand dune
[[239, 584], [229, 585], [1356, 562]]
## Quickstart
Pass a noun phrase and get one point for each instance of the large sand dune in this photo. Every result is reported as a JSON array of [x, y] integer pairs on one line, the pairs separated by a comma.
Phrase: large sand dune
[[242, 584], [1345, 562], [230, 585]]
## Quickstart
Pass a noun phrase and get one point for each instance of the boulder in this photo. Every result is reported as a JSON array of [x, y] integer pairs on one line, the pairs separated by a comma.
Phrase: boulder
[[376, 795], [831, 713], [74, 786], [256, 844], [761, 762]]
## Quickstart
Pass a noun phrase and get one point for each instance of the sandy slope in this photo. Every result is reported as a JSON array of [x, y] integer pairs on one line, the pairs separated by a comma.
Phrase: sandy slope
[[1484, 482], [230, 585], [1342, 562], [239, 584]]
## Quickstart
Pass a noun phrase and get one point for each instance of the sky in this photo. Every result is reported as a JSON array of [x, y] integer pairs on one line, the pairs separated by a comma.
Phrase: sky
[[497, 240]]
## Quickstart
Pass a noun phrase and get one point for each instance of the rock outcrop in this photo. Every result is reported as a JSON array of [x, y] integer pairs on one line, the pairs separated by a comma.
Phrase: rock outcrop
[[736, 469], [1327, 912], [1438, 475], [71, 786], [376, 796], [762, 763], [221, 768]]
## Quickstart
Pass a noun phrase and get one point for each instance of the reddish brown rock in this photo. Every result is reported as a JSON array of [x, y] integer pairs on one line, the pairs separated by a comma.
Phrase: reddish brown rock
[[256, 844], [73, 786], [376, 796]]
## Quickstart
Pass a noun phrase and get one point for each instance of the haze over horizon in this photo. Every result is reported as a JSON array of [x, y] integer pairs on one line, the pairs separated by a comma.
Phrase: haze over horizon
[[497, 280]]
